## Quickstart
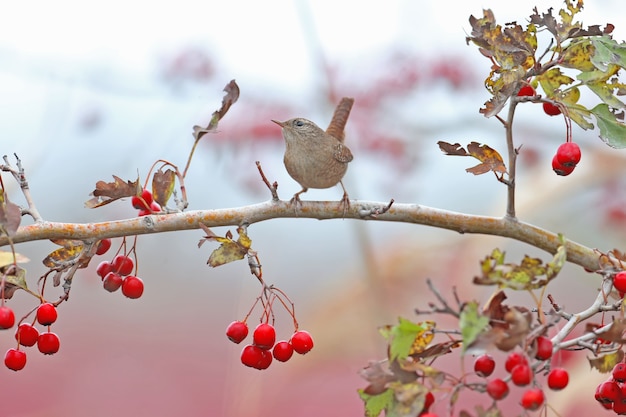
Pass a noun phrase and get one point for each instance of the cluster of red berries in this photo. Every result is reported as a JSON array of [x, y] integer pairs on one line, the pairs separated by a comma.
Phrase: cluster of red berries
[[566, 158], [259, 354], [145, 203], [568, 154], [521, 374], [116, 273], [27, 335], [612, 393], [550, 109]]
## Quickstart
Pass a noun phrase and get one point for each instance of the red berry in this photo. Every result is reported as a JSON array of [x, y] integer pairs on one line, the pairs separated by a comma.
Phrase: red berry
[[237, 331], [544, 348], [558, 379], [521, 375], [514, 359], [48, 343], [143, 202], [266, 359], [26, 334], [608, 392], [132, 286], [104, 268], [154, 208], [429, 400], [112, 282], [103, 246], [532, 399], [7, 317], [123, 265], [618, 407], [264, 336], [484, 365], [15, 359], [619, 372], [526, 90], [302, 342], [619, 281], [497, 389], [561, 169], [251, 356], [46, 314], [568, 154], [551, 110], [282, 351]]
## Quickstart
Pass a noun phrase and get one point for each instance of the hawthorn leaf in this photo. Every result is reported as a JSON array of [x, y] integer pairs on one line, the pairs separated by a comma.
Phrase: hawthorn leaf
[[14, 282], [472, 323], [7, 258], [230, 98], [578, 55], [611, 125], [407, 337], [229, 250], [607, 51], [490, 159], [605, 363], [377, 376], [375, 404], [163, 184], [107, 192], [70, 251], [10, 217]]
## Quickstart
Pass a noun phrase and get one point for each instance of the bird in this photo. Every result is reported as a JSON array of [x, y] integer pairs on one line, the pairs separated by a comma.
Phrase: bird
[[315, 158]]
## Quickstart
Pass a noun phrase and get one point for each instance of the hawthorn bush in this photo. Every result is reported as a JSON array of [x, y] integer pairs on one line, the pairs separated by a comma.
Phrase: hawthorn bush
[[551, 60]]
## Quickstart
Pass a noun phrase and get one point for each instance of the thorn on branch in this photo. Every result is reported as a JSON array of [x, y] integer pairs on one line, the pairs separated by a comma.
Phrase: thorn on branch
[[272, 187], [374, 212]]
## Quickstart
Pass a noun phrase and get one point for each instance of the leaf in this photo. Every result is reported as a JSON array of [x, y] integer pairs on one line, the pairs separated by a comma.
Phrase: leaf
[[611, 125], [15, 282], [107, 192], [552, 82], [375, 404], [490, 159], [406, 337], [6, 258], [606, 363], [10, 217], [230, 98], [607, 52], [163, 184], [229, 249], [70, 251], [377, 376], [525, 276], [471, 323], [409, 399]]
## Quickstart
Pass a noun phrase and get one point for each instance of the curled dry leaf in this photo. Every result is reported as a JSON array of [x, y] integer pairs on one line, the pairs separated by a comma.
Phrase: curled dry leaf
[[163, 186], [10, 216], [490, 159], [231, 96], [229, 250], [107, 192], [605, 363]]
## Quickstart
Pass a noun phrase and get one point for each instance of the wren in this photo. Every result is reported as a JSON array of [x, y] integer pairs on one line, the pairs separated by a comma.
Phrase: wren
[[313, 157]]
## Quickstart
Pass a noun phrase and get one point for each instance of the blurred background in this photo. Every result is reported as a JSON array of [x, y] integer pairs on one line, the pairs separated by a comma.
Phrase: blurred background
[[92, 89]]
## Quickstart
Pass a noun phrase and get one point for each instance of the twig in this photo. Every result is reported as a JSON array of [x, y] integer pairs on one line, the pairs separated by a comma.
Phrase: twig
[[272, 187]]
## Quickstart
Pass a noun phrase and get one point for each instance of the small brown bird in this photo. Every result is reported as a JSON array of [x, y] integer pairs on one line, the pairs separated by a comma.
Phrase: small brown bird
[[314, 158]]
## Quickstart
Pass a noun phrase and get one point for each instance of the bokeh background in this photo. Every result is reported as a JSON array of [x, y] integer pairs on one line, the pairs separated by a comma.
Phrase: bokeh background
[[91, 89]]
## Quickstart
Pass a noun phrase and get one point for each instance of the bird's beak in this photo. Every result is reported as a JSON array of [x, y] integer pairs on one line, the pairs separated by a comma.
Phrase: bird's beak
[[281, 124]]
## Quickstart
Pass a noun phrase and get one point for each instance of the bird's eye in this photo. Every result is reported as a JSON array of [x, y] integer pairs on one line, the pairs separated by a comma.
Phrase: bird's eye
[[298, 123]]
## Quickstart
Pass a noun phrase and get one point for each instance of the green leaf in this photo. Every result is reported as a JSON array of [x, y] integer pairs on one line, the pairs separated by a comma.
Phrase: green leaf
[[607, 52], [579, 114], [403, 336], [375, 404], [471, 323], [612, 130]]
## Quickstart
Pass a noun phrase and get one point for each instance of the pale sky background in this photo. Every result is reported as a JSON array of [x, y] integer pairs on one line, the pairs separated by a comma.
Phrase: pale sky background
[[66, 66]]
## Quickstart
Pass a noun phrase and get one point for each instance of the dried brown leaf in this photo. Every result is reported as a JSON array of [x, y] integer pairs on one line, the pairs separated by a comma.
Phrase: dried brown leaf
[[163, 184], [107, 192], [10, 217], [230, 98]]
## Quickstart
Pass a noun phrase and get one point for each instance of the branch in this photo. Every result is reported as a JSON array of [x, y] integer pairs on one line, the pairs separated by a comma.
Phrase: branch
[[321, 210]]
